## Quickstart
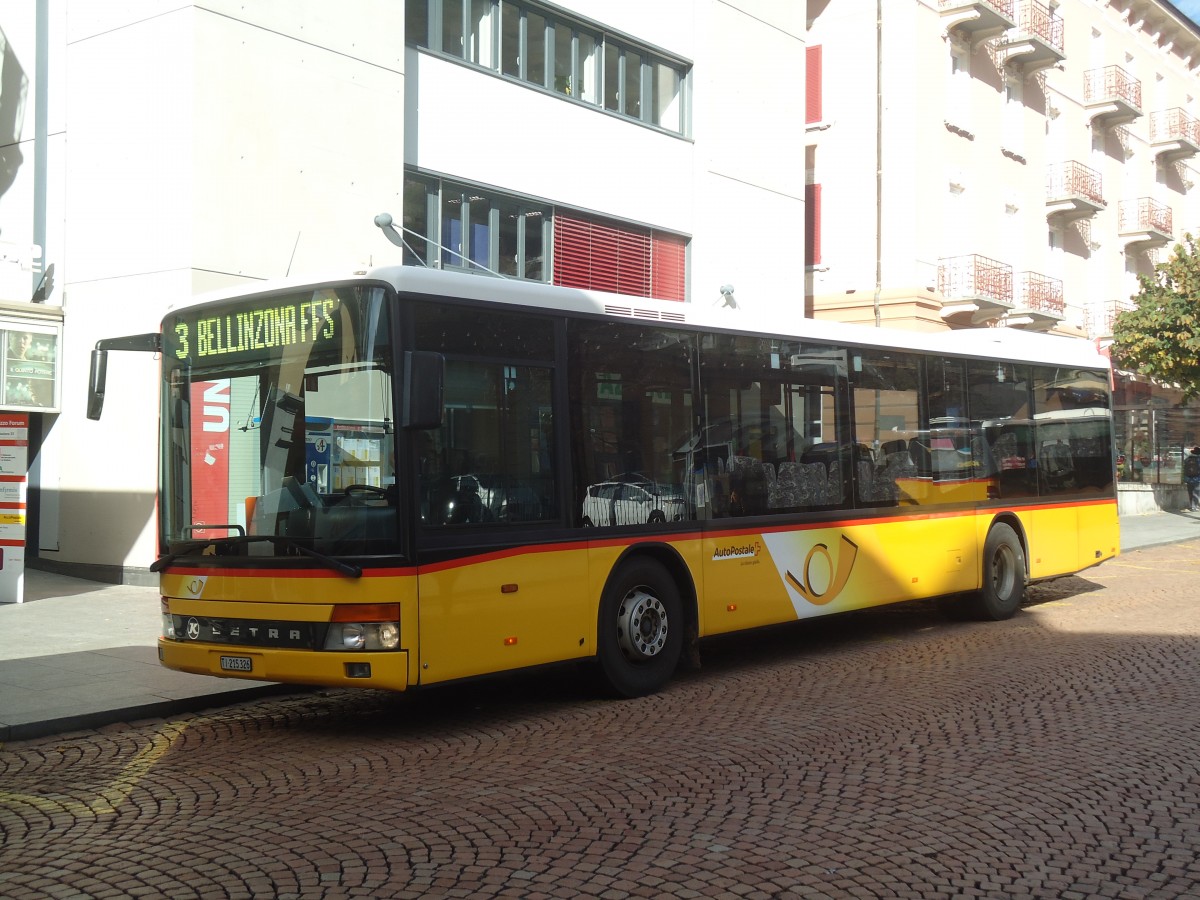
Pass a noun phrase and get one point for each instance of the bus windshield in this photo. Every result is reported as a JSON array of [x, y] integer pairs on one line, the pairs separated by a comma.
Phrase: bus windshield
[[277, 423]]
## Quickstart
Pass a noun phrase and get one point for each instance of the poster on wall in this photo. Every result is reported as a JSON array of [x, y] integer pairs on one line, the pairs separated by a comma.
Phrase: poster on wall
[[28, 367], [14, 463]]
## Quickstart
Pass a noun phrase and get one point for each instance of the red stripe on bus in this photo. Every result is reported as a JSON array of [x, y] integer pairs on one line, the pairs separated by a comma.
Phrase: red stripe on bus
[[669, 538]]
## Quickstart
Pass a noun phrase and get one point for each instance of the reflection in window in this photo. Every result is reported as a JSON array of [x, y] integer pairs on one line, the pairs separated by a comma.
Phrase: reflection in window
[[666, 97], [479, 246], [562, 60], [1073, 431], [586, 69], [632, 91], [612, 77], [482, 33], [633, 421], [452, 28], [946, 450], [886, 397], [453, 205], [492, 459], [535, 48], [1000, 408], [510, 39], [772, 443], [417, 196]]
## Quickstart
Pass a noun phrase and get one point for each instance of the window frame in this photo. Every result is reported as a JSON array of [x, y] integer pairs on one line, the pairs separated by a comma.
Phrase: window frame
[[649, 58], [666, 257]]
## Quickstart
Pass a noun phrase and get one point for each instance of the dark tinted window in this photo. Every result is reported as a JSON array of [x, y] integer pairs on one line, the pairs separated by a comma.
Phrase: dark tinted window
[[492, 460], [772, 443], [633, 421]]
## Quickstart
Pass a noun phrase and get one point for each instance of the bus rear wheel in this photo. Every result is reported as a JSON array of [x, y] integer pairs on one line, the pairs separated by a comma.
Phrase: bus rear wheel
[[1003, 576], [641, 628]]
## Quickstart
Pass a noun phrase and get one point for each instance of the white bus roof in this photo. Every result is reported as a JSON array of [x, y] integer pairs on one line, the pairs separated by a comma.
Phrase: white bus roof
[[1000, 343]]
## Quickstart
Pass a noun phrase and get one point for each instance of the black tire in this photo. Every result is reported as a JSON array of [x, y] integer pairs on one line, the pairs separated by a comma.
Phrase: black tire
[[640, 630], [657, 517], [1003, 576]]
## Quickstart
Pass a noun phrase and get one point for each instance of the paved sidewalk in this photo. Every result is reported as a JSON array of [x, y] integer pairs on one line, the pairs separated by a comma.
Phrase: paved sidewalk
[[80, 654]]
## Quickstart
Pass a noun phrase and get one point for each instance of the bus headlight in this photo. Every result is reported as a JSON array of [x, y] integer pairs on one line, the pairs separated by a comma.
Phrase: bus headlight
[[363, 636], [370, 626], [168, 621]]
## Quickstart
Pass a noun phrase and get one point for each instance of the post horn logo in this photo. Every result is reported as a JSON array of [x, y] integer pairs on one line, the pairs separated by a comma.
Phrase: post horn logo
[[840, 572]]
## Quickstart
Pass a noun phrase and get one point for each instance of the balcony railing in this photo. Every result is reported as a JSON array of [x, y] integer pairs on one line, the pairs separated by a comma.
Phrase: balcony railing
[[975, 276], [1174, 125], [1102, 316], [1144, 214], [1174, 135], [1042, 293], [1112, 83], [1038, 21], [1074, 179]]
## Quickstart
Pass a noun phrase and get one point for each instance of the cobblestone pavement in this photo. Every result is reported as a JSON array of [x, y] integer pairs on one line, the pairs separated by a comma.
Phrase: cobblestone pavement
[[884, 754]]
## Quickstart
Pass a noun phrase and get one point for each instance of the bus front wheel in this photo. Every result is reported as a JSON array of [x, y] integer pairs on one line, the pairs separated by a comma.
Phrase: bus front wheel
[[640, 629], [1003, 575]]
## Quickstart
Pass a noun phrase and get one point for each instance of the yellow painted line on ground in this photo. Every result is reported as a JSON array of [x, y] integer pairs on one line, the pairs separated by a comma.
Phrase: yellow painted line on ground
[[113, 794], [1189, 567]]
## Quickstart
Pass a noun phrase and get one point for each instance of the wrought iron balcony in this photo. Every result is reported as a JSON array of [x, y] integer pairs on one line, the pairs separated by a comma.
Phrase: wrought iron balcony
[[974, 288], [1037, 40], [1144, 221], [978, 18], [1111, 96], [1174, 134], [1041, 293], [1102, 316], [1039, 305], [1073, 191]]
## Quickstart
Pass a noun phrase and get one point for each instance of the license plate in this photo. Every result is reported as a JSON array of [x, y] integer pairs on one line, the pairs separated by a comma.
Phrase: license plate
[[236, 664]]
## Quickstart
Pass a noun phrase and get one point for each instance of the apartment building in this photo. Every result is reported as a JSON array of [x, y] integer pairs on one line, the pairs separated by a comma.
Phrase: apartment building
[[157, 149], [997, 162]]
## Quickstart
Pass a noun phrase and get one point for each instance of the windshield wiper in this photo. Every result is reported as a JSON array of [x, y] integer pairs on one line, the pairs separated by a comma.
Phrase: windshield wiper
[[348, 569]]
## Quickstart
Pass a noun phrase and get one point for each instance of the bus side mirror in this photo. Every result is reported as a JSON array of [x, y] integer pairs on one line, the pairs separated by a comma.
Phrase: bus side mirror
[[422, 403], [147, 343], [96, 379]]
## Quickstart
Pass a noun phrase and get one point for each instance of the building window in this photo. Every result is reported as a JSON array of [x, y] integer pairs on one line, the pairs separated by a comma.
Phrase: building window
[[812, 224], [476, 230], [450, 225], [569, 57], [812, 88], [622, 259]]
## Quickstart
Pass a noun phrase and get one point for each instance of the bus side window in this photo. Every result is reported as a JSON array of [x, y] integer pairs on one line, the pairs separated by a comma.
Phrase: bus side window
[[492, 460]]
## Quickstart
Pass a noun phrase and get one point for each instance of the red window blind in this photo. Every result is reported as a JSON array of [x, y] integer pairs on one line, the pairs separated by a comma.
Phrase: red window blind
[[812, 87], [812, 224], [603, 257], [667, 267]]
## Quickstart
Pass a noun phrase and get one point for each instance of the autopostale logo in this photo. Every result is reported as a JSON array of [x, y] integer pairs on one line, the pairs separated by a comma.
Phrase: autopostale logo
[[824, 576]]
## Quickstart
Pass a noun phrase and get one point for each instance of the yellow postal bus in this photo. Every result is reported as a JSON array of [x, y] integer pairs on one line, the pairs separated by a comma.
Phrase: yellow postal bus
[[410, 477]]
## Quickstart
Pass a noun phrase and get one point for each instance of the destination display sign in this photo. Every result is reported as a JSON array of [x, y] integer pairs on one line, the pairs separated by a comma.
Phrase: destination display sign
[[207, 336]]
